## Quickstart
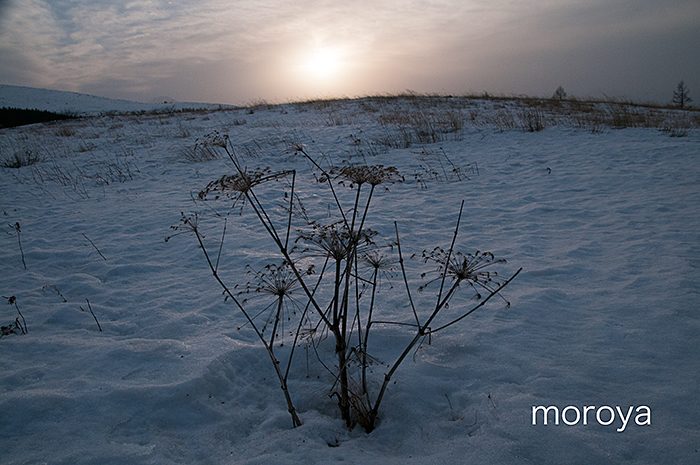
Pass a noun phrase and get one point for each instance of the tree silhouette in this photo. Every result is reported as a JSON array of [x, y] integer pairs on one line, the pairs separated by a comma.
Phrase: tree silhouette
[[681, 95], [559, 94]]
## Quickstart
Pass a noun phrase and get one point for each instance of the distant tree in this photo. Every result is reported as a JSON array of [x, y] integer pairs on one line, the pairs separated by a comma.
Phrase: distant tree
[[559, 94], [12, 117], [681, 95]]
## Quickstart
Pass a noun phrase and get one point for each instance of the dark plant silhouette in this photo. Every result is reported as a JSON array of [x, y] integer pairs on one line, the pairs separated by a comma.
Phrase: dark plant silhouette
[[17, 326], [321, 288], [681, 96], [559, 94]]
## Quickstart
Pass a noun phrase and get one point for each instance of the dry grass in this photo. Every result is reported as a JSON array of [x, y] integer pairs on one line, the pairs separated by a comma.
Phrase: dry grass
[[410, 118], [25, 157]]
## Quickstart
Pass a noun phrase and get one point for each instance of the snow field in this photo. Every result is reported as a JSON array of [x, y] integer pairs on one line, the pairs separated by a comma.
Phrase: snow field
[[605, 312]]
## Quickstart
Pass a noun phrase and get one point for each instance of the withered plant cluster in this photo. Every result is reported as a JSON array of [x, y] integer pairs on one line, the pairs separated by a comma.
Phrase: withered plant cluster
[[17, 326], [323, 286]]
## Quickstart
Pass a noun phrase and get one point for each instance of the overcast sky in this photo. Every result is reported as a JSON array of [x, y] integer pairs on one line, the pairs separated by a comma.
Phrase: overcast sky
[[243, 50]]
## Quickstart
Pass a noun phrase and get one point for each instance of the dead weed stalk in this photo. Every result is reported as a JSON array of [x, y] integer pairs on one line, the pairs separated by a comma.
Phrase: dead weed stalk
[[341, 301]]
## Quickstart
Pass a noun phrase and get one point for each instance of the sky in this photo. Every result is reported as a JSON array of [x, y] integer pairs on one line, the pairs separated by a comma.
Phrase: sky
[[245, 51]]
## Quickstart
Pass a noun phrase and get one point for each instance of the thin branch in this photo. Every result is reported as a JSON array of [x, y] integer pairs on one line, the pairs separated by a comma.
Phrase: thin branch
[[291, 206], [290, 406], [330, 183], [274, 235], [449, 254], [403, 271], [441, 304], [354, 209], [388, 376], [364, 215], [251, 195], [13, 300], [19, 241], [280, 303], [93, 315], [398, 323], [221, 246], [480, 304], [366, 338], [93, 244], [301, 320], [420, 334]]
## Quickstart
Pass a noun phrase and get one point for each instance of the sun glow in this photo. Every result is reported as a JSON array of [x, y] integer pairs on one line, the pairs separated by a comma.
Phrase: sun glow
[[320, 69], [323, 63]]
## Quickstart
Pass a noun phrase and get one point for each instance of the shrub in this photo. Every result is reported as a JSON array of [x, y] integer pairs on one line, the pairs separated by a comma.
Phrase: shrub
[[22, 158], [677, 126], [420, 127], [197, 154], [533, 120]]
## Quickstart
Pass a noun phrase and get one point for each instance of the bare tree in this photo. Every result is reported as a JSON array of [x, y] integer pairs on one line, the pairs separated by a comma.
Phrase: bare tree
[[681, 95]]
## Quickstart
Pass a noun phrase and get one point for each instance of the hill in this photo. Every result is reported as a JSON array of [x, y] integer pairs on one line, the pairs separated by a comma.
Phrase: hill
[[82, 104]]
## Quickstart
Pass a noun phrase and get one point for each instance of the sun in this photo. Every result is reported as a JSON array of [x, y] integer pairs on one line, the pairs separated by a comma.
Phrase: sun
[[323, 63]]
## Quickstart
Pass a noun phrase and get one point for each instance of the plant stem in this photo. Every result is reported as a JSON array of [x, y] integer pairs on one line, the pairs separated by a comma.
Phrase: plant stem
[[280, 301], [93, 315], [449, 254], [480, 304], [24, 329], [221, 245], [19, 241], [301, 320], [327, 176], [270, 351], [291, 206], [420, 334], [93, 244], [403, 272], [367, 328]]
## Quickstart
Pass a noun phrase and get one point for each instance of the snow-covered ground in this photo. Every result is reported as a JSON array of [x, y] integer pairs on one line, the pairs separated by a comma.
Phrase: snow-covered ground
[[604, 222], [82, 104]]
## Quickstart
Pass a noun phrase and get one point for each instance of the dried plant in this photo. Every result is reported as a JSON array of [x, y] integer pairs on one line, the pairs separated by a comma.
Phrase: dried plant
[[373, 175], [18, 231], [437, 166], [468, 268], [17, 326], [190, 224], [281, 284], [54, 289], [21, 158], [340, 301], [92, 313]]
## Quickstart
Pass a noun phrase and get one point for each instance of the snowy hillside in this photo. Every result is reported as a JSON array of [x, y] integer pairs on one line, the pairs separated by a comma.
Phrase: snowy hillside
[[75, 103], [603, 323]]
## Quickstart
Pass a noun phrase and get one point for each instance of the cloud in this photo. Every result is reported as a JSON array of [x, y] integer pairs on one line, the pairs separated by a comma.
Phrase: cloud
[[235, 51]]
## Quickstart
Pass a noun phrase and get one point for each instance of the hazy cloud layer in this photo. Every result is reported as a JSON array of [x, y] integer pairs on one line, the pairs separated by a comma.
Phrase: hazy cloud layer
[[237, 51]]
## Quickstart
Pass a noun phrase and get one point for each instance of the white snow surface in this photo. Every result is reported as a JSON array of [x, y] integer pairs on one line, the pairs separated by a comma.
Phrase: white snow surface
[[84, 104], [606, 226]]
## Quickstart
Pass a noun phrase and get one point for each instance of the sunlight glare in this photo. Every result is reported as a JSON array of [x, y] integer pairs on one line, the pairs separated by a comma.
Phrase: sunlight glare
[[323, 63]]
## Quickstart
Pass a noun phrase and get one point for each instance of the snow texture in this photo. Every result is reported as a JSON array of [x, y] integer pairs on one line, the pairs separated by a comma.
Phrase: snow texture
[[84, 104], [606, 226]]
